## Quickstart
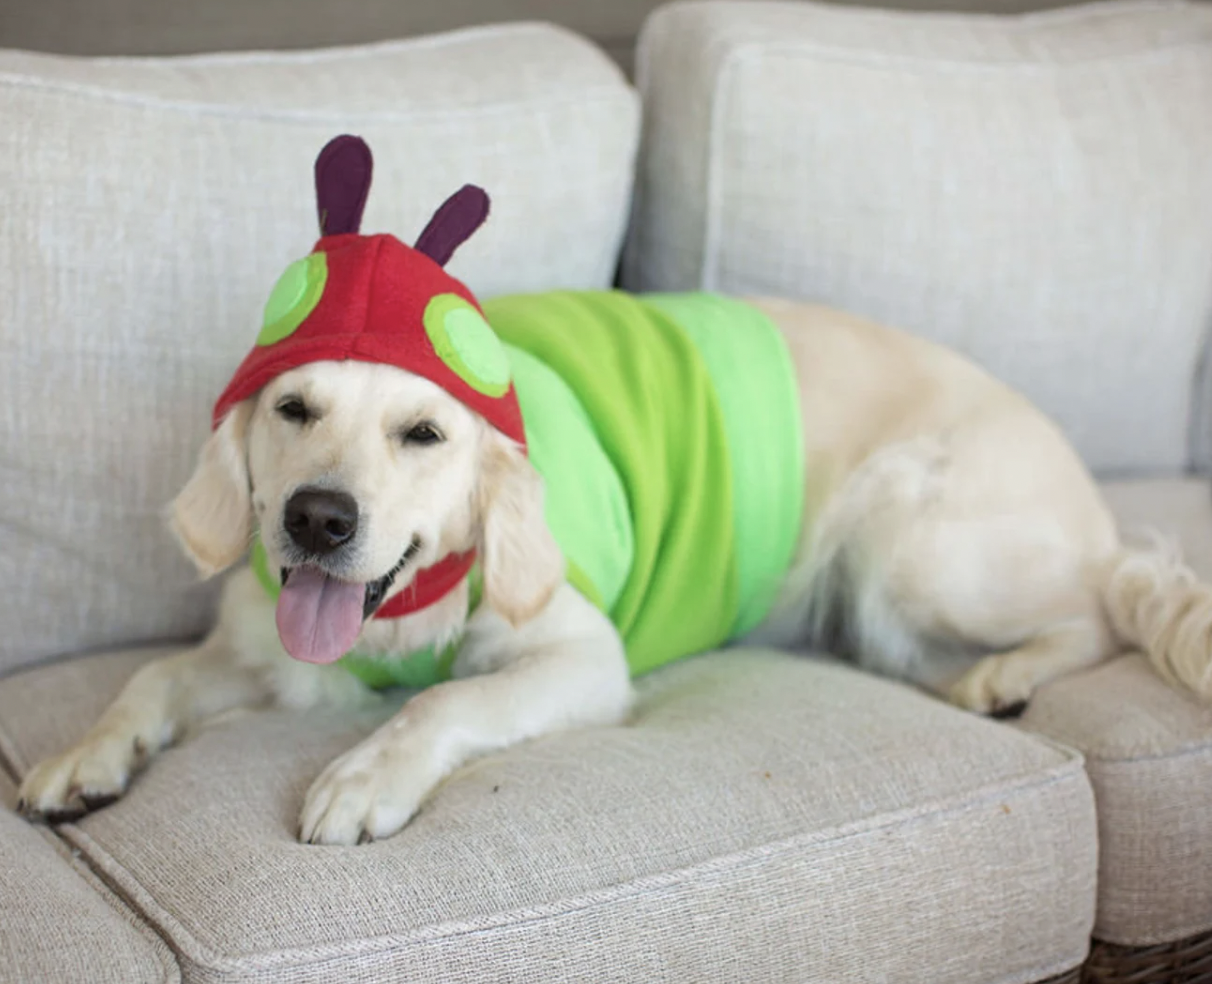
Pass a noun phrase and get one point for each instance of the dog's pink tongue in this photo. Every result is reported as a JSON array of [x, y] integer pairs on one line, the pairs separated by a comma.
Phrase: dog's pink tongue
[[319, 618]]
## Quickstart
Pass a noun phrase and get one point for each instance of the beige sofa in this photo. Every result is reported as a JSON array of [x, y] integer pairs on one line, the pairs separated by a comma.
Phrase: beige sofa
[[1035, 192]]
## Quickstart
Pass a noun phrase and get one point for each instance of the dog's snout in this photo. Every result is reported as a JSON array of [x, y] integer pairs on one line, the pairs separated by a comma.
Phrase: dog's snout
[[319, 520]]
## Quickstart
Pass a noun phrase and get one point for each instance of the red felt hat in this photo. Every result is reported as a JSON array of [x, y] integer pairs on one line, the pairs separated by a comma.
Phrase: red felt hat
[[374, 299]]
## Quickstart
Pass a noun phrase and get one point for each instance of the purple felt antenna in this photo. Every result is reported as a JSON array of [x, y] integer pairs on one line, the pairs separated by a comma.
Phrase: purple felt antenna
[[452, 224], [343, 173]]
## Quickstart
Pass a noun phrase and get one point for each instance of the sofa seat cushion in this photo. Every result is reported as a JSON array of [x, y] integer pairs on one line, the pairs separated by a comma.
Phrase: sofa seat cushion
[[148, 207], [1179, 510], [59, 922], [763, 817], [1148, 751]]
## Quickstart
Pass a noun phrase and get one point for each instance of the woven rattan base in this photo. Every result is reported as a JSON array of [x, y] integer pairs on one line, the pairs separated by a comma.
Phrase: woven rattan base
[[1187, 961], [1073, 976]]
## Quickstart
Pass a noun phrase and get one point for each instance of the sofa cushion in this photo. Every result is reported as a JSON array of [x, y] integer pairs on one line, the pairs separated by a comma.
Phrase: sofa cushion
[[1033, 190], [1179, 510], [1148, 751], [149, 206], [762, 818], [60, 923]]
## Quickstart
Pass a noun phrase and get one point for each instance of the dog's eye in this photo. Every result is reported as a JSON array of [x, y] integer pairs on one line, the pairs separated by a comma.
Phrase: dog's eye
[[294, 410], [422, 433]]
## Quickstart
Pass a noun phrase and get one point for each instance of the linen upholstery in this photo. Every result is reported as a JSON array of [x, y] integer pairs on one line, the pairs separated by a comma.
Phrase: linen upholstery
[[1148, 752], [763, 817], [1178, 510], [1033, 191], [150, 205], [60, 923]]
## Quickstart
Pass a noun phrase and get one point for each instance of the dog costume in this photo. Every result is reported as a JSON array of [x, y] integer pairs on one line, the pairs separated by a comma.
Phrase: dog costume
[[666, 427]]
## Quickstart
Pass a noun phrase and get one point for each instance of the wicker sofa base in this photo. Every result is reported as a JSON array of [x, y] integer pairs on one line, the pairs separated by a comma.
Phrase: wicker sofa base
[[1186, 961]]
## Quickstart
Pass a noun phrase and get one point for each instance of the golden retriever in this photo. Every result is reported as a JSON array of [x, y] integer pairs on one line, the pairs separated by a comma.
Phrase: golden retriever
[[958, 535]]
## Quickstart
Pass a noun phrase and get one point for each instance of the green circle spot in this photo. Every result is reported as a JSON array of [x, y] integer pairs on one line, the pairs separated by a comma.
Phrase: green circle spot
[[467, 344], [293, 298]]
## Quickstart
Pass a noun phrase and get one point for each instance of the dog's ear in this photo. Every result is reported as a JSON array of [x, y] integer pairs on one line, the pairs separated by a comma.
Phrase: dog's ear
[[212, 516], [521, 561]]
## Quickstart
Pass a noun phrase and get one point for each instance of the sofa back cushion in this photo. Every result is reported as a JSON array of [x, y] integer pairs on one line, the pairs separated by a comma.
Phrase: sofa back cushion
[[150, 205], [1035, 191]]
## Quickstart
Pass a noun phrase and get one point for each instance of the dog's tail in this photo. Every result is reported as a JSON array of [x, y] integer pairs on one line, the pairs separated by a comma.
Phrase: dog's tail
[[1157, 603]]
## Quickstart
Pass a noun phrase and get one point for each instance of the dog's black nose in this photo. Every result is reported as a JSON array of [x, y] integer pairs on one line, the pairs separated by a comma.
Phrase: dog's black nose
[[319, 520]]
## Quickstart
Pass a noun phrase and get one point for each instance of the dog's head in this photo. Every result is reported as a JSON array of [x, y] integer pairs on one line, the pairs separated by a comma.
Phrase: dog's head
[[372, 431], [358, 475]]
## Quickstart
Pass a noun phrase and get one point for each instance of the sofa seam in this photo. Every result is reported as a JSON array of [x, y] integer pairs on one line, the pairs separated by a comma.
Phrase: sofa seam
[[1199, 419], [1191, 929], [322, 53], [120, 906], [62, 657], [713, 222], [640, 75], [940, 66], [186, 943], [72, 858], [197, 109], [1190, 751], [1029, 976], [1100, 9]]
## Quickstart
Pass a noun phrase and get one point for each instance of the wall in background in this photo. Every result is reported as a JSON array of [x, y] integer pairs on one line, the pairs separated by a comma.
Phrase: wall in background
[[167, 27]]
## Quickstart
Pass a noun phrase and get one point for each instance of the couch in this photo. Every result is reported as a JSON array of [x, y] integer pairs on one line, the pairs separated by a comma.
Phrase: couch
[[1034, 191]]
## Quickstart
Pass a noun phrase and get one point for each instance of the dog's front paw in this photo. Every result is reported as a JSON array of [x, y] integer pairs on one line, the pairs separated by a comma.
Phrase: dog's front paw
[[367, 793], [998, 685], [87, 777]]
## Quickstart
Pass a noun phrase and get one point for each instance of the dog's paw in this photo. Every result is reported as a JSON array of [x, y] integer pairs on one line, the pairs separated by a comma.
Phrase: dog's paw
[[87, 777], [367, 793], [997, 686]]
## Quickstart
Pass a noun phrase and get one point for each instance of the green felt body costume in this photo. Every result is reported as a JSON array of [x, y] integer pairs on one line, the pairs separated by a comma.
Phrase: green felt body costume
[[666, 428], [667, 431]]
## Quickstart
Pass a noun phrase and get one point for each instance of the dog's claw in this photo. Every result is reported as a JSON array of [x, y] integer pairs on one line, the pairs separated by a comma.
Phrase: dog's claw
[[1009, 712], [84, 778], [56, 817], [367, 794], [98, 802]]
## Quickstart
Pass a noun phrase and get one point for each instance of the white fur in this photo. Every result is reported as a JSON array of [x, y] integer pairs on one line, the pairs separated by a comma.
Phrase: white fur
[[563, 669], [951, 538]]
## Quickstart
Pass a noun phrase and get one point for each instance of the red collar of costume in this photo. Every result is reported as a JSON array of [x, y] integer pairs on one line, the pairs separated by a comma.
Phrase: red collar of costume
[[430, 586]]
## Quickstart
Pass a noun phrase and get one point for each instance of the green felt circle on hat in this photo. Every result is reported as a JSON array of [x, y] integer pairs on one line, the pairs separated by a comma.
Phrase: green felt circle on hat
[[467, 344], [293, 298]]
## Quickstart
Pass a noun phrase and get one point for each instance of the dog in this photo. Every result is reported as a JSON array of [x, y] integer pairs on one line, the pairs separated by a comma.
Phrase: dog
[[945, 534]]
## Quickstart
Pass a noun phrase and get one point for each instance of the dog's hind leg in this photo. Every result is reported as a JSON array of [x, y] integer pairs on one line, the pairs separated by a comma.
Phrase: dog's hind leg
[[968, 562], [1002, 683]]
